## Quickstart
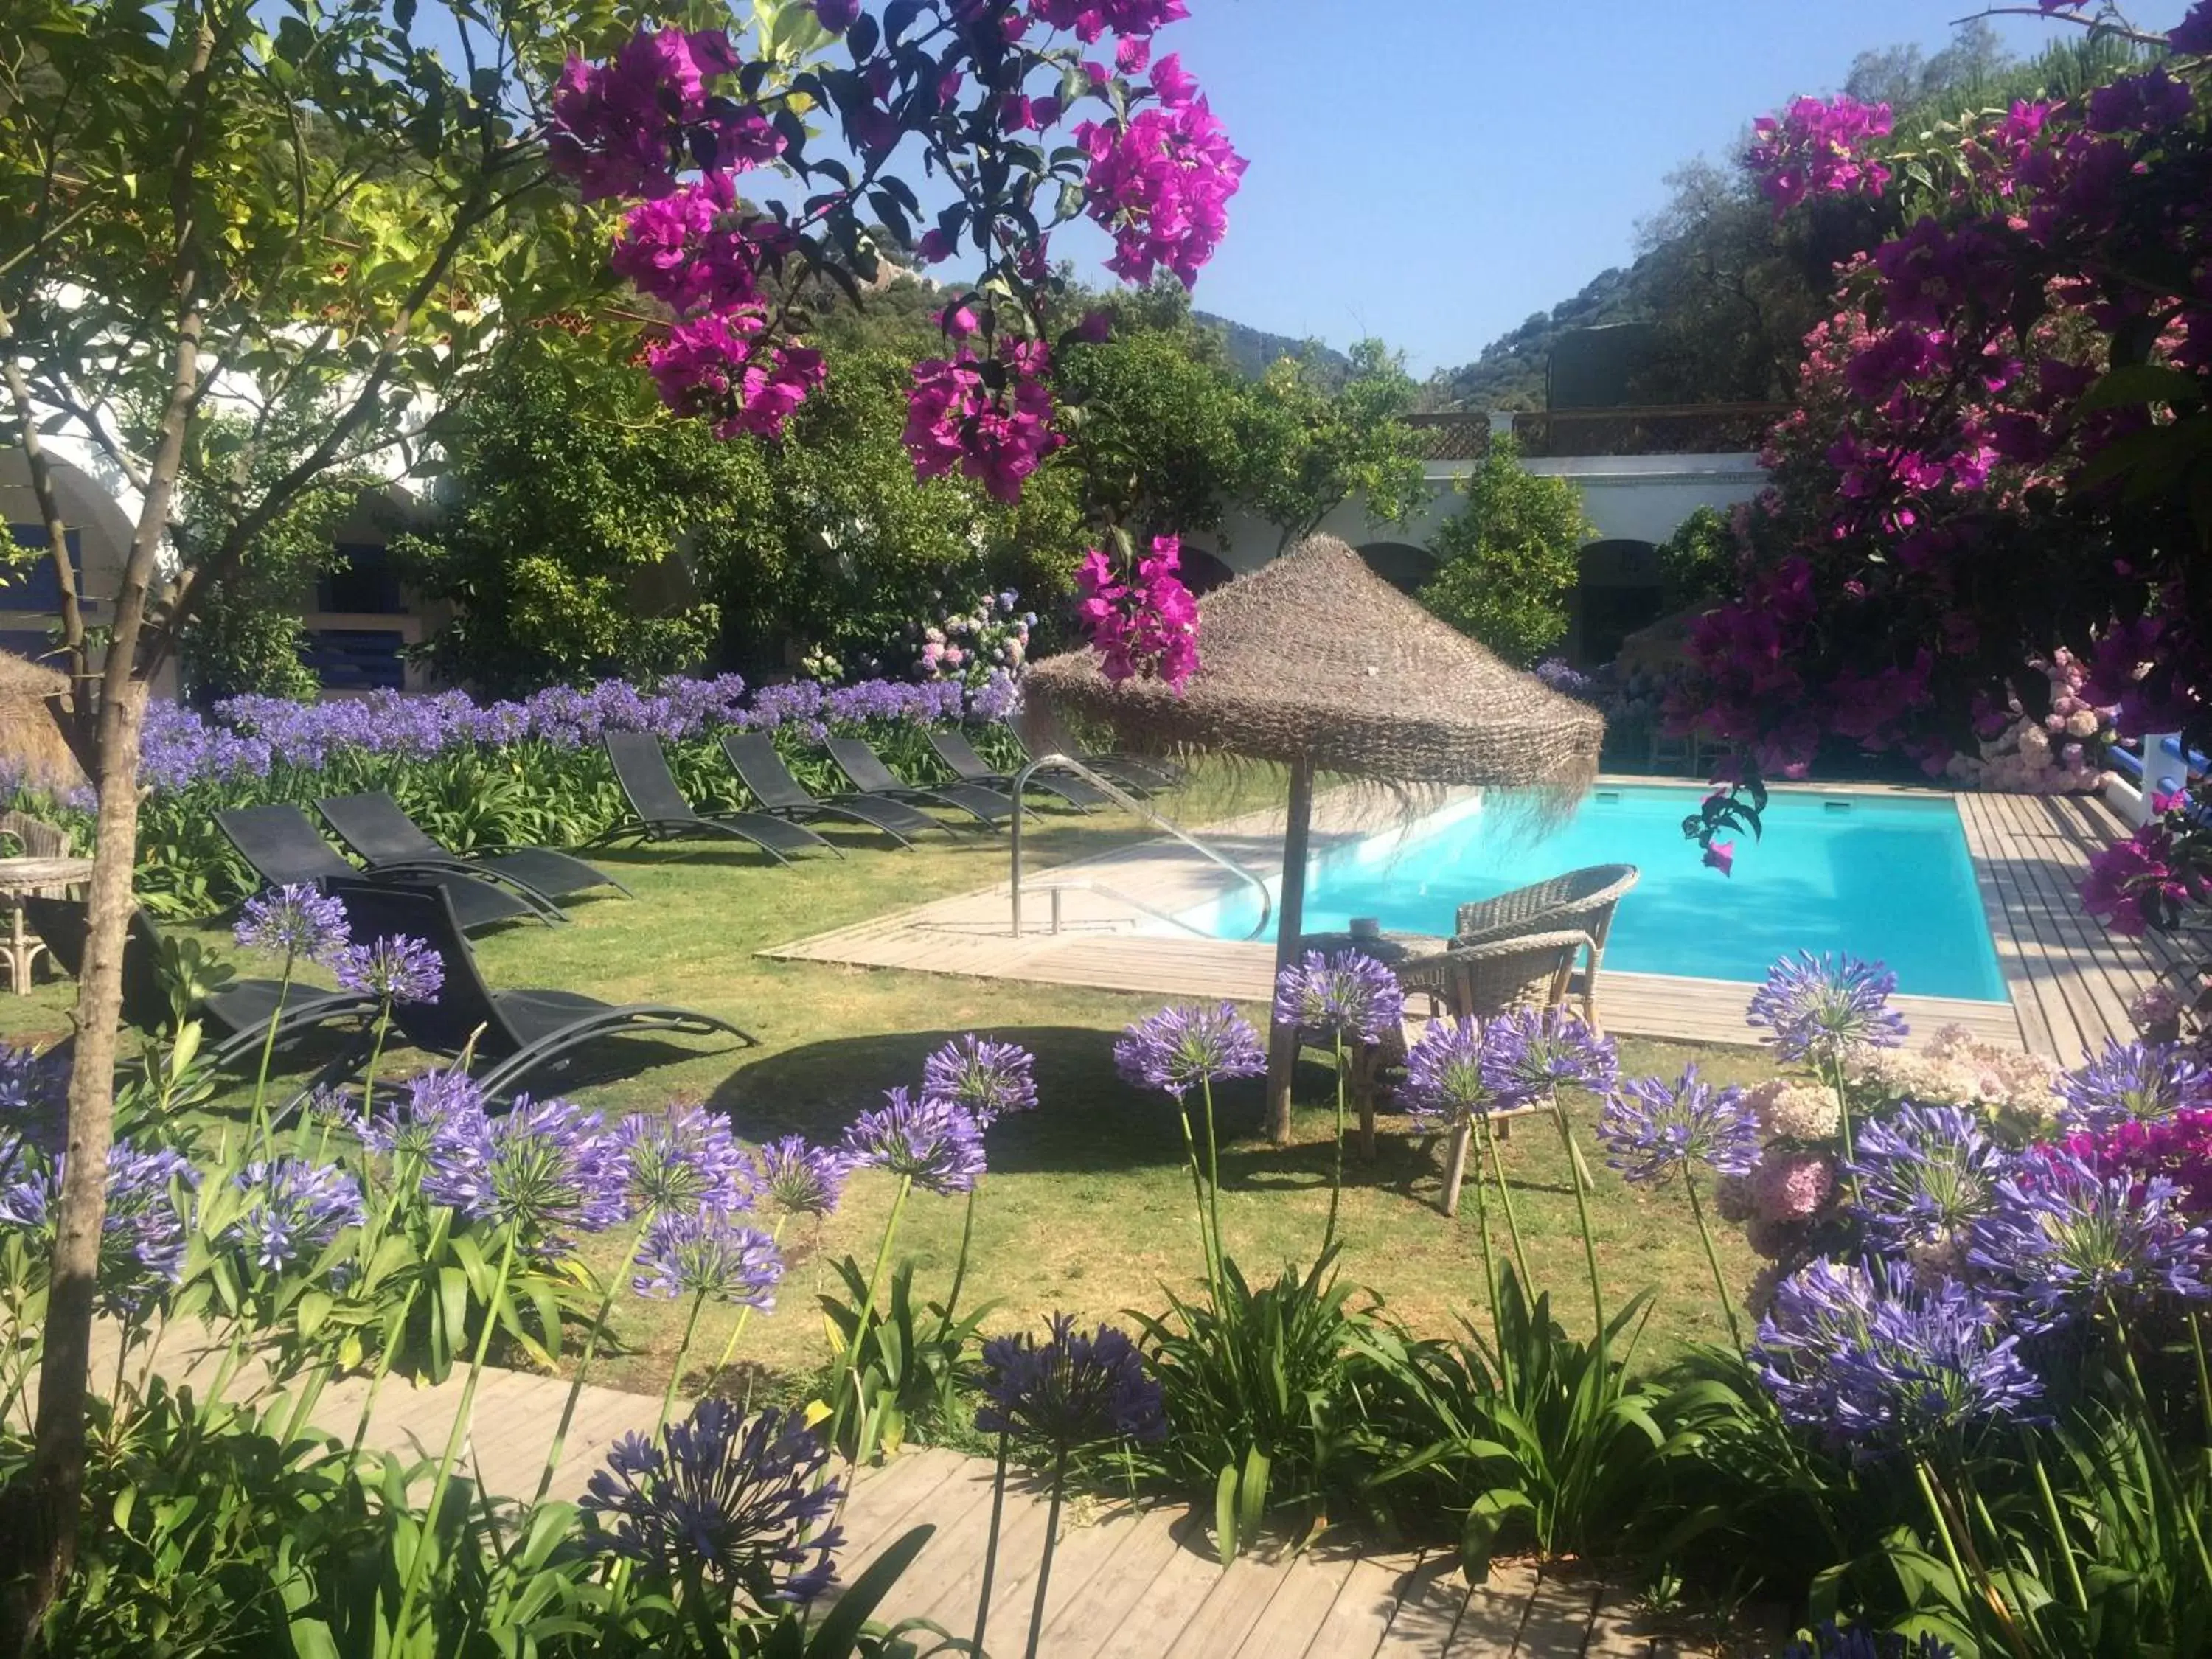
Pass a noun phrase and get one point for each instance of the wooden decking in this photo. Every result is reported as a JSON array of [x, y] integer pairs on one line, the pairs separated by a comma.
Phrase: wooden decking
[[1127, 1582], [2069, 979]]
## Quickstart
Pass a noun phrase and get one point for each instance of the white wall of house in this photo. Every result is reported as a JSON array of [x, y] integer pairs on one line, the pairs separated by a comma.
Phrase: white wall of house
[[1626, 498]]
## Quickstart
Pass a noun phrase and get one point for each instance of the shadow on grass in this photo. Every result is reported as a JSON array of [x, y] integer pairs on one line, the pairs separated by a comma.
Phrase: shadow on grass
[[1088, 1120]]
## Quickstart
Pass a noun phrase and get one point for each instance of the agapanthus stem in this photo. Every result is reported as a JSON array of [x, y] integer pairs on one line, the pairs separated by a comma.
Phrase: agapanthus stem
[[1051, 1542], [425, 1538], [991, 1544], [375, 1056], [394, 1333], [2061, 1540], [2203, 1375], [675, 1372], [1209, 1244], [1497, 1160], [1489, 1260], [1336, 1169], [2161, 1475], [1834, 1069], [1213, 1174], [260, 1120], [1581, 1213], [584, 1365], [848, 1362], [960, 1262], [744, 1312], [1713, 1261], [1970, 1584]]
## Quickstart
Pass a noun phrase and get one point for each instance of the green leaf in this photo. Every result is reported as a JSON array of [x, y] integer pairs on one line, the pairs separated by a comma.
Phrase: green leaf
[[1224, 1513], [2133, 384], [834, 1638]]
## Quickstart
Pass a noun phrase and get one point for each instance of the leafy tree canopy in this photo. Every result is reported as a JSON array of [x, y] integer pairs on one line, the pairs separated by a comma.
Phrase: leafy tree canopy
[[1509, 557]]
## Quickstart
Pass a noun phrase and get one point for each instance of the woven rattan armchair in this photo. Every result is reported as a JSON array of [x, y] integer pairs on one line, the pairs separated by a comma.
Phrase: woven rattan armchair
[[1476, 980], [32, 838], [1581, 901]]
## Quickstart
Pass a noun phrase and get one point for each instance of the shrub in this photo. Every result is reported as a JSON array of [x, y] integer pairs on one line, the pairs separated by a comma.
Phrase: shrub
[[1508, 557]]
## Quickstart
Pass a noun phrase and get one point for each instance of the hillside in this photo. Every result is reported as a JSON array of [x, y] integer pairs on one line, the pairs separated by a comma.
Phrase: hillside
[[1510, 372], [1253, 351]]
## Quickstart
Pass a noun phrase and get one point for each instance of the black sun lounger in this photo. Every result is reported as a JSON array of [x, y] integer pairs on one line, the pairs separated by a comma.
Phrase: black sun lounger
[[378, 829], [769, 782], [284, 846], [957, 752], [659, 813], [868, 773], [515, 1033], [237, 1014], [1132, 772]]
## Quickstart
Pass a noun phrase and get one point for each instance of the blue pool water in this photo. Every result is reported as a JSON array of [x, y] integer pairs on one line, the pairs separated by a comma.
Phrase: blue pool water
[[1880, 877]]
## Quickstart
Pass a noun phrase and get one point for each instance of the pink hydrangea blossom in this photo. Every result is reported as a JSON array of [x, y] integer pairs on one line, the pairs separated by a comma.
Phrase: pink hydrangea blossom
[[1147, 626], [1160, 183], [1790, 1187]]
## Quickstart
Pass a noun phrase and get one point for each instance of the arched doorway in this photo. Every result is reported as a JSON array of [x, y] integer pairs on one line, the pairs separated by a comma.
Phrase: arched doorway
[[1405, 566], [1618, 593], [1201, 571]]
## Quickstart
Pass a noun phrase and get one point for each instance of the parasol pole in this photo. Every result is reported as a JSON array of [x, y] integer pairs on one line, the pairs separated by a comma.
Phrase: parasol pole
[[1290, 923]]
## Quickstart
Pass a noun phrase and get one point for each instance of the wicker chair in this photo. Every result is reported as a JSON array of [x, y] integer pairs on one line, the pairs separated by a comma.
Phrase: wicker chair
[[34, 838], [1580, 901], [1478, 981]]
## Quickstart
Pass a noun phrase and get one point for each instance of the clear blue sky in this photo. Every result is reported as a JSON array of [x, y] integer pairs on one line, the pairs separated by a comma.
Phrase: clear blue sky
[[1432, 171]]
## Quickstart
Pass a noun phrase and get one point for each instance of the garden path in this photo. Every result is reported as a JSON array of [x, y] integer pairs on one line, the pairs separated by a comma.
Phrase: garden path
[[1127, 1582]]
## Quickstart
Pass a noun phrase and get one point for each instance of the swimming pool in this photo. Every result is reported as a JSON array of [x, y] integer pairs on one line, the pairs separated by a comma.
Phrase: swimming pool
[[1886, 877]]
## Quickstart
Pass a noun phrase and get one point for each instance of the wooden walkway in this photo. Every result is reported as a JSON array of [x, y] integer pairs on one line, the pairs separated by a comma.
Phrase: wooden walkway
[[1127, 1582], [2069, 979]]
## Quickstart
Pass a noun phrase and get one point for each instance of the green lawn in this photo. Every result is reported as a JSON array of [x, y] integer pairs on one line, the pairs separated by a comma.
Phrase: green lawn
[[1087, 1207]]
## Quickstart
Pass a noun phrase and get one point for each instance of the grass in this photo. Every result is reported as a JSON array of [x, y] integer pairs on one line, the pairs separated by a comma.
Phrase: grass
[[1087, 1207]]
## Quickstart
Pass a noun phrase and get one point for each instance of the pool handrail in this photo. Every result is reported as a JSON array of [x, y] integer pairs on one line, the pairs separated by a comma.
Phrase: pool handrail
[[1128, 803]]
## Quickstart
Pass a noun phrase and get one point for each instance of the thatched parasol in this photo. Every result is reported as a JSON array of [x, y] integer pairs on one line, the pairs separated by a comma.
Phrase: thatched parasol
[[30, 742], [1316, 661]]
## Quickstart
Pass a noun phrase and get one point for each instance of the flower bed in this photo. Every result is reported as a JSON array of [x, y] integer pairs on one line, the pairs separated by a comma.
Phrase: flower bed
[[524, 773]]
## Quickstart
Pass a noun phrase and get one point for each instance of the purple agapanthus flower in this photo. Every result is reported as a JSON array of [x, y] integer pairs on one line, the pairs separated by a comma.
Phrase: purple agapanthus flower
[[706, 1253], [406, 1132], [1923, 1176], [1350, 993], [1541, 1049], [293, 1208], [396, 968], [986, 1078], [1651, 1127], [933, 1142], [683, 1160], [33, 1098], [1878, 1359], [738, 1503], [2065, 1239], [797, 1177], [295, 922], [1070, 1390], [2134, 1080], [1817, 1009], [1450, 1078], [141, 1239], [1860, 1641], [1180, 1048], [544, 1167]]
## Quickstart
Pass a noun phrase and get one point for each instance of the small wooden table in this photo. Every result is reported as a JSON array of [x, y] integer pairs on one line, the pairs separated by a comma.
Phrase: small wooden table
[[18, 949]]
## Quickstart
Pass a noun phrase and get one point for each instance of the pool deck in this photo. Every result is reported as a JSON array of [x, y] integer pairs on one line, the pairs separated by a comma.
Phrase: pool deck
[[2070, 979]]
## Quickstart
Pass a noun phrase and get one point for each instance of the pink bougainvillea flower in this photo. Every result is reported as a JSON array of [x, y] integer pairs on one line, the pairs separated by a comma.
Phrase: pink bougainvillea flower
[[1146, 627], [955, 419], [1160, 184], [718, 366], [1817, 148], [1720, 856], [2133, 883]]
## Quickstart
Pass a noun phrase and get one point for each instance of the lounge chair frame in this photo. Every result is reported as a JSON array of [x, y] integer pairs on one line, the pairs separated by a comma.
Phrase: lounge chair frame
[[281, 843], [869, 774], [659, 813], [467, 1011], [379, 831], [753, 757]]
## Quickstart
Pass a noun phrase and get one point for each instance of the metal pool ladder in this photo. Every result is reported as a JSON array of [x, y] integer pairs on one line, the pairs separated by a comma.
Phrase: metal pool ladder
[[1128, 803]]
